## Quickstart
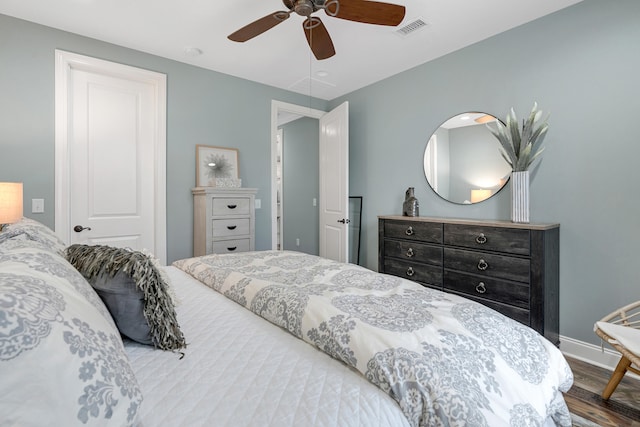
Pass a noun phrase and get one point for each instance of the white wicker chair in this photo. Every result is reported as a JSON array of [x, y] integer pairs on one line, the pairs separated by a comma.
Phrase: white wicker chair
[[621, 330]]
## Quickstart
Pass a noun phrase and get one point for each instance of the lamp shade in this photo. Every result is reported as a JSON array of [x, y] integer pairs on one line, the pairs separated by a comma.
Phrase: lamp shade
[[479, 195], [10, 202]]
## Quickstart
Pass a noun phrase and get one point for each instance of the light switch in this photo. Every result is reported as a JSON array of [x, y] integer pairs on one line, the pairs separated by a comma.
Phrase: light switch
[[258, 203], [37, 205]]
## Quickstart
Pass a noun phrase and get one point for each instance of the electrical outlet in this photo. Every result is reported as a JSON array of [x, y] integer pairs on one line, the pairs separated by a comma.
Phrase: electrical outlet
[[257, 203], [315, 202], [297, 242], [37, 205]]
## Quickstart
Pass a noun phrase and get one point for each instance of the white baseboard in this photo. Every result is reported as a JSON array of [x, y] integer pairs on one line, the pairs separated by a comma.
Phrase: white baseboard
[[590, 353]]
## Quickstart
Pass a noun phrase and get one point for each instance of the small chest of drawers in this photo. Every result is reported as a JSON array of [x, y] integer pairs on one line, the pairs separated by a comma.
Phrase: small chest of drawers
[[223, 220], [512, 268]]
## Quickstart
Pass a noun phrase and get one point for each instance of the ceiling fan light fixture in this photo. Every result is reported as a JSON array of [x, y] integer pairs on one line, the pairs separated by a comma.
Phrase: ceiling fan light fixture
[[304, 7]]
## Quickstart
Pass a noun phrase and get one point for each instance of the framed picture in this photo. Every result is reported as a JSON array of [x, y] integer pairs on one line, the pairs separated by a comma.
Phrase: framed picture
[[215, 162]]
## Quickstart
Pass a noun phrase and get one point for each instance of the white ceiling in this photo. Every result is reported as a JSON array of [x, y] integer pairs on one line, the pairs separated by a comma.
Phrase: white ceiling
[[280, 57]]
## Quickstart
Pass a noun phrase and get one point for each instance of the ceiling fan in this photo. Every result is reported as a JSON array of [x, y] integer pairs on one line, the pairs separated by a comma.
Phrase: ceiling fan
[[366, 11]]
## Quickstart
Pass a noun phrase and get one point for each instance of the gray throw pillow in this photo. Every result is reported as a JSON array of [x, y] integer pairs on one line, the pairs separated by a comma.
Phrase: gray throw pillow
[[134, 291], [125, 302]]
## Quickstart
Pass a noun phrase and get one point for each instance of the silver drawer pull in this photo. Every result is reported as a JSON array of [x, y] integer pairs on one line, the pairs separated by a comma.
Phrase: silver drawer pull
[[481, 288], [232, 206], [231, 227], [482, 265], [410, 253], [481, 239], [231, 249], [410, 272], [409, 231]]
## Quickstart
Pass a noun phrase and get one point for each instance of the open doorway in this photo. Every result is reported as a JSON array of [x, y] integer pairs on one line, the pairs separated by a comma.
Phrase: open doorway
[[333, 178], [283, 114], [298, 184]]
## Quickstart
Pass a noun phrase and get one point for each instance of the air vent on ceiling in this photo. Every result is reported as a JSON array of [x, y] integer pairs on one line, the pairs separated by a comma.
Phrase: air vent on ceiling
[[411, 27]]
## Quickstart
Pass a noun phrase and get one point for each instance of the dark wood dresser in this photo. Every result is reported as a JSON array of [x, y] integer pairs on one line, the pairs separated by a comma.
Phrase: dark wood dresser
[[512, 268]]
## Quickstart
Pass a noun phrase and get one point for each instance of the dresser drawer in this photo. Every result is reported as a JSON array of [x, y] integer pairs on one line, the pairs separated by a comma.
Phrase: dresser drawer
[[234, 245], [510, 293], [511, 268], [414, 230], [413, 251], [231, 205], [230, 227], [414, 271], [519, 314], [508, 240], [492, 265]]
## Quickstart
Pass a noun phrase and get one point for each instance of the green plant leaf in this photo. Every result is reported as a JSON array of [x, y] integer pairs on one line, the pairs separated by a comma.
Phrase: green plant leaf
[[503, 138], [512, 126], [521, 147], [535, 156], [523, 160], [506, 159], [538, 138]]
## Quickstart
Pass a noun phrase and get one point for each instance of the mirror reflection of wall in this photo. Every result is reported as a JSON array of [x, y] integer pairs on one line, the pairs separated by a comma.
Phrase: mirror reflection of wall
[[462, 160]]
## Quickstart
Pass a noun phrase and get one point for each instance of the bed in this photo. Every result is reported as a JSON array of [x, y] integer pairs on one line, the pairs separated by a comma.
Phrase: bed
[[239, 370], [272, 339]]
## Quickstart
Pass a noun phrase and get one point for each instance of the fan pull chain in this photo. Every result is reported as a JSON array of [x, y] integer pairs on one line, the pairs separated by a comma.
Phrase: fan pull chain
[[310, 65]]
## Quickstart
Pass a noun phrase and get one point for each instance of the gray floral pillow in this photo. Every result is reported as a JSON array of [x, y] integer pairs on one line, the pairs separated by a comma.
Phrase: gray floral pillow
[[34, 231], [61, 359]]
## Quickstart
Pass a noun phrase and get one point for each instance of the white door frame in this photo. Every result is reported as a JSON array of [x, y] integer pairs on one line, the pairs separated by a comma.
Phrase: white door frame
[[277, 106], [65, 62], [279, 188]]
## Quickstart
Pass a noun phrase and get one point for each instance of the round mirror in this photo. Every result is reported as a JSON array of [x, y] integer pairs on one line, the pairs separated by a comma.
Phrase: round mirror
[[462, 160]]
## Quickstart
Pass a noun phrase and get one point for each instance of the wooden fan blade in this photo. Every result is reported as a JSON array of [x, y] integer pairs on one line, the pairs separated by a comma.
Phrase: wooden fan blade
[[258, 27], [318, 38], [368, 12]]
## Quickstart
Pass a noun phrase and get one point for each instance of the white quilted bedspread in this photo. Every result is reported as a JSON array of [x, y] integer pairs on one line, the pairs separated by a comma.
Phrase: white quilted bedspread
[[239, 370]]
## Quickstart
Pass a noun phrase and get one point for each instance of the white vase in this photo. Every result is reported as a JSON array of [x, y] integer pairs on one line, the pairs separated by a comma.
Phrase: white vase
[[520, 196]]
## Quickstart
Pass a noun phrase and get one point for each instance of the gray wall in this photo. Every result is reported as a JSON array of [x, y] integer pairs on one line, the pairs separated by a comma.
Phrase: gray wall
[[581, 65], [203, 107], [301, 184]]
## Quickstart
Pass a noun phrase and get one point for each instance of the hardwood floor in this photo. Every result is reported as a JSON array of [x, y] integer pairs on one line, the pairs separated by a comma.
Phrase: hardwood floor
[[622, 409]]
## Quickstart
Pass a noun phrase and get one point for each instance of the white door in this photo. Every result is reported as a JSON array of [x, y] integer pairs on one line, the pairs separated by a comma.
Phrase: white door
[[113, 142], [334, 196], [334, 184]]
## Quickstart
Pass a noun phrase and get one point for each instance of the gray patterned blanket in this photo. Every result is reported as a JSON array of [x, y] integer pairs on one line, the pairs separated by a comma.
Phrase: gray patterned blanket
[[445, 360]]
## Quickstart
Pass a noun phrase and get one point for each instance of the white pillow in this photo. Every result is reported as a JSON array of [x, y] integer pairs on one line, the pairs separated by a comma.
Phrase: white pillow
[[62, 361], [34, 231]]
